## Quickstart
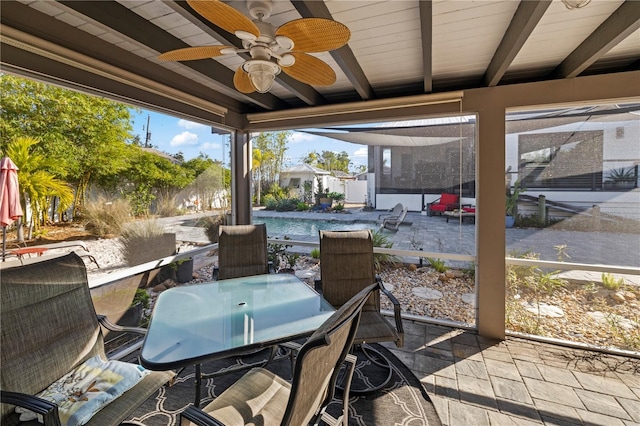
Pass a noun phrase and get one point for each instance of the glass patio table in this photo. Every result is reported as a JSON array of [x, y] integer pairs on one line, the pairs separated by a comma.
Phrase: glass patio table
[[204, 322]]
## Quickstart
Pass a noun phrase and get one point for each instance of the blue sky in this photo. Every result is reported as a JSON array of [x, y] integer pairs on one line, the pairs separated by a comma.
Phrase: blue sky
[[172, 135]]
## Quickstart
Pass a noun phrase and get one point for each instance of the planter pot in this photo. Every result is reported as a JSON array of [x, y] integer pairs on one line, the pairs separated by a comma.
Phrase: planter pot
[[184, 273], [326, 203], [142, 250], [510, 221]]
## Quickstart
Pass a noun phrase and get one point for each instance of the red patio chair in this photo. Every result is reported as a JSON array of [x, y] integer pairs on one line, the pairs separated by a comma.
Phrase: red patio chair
[[446, 202]]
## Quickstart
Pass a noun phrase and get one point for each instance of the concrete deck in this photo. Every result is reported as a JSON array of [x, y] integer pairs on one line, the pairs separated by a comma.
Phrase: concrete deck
[[477, 381]]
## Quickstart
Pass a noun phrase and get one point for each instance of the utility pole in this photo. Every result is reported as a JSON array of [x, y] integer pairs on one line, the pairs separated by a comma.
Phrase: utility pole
[[148, 138]]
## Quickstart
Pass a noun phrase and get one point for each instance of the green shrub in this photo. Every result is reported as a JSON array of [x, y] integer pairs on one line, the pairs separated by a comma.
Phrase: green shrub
[[338, 208], [106, 218], [142, 297], [302, 206], [336, 196], [437, 264], [287, 204], [315, 253], [269, 202]]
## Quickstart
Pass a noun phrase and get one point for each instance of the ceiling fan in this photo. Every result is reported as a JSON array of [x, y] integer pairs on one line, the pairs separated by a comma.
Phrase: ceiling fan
[[271, 49]]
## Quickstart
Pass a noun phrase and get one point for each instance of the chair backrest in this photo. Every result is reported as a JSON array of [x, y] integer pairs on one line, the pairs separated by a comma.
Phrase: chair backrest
[[446, 198], [397, 209], [242, 251], [347, 266], [318, 362], [49, 324]]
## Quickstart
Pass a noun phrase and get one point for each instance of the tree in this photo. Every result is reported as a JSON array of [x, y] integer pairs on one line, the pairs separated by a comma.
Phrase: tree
[[329, 160], [83, 136], [273, 146], [38, 186]]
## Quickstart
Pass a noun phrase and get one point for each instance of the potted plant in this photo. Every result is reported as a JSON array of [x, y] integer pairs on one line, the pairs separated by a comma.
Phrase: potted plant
[[622, 177], [511, 205], [183, 269]]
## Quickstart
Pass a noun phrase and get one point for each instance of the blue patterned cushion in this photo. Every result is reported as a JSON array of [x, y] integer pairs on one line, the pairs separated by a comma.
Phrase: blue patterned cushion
[[85, 390]]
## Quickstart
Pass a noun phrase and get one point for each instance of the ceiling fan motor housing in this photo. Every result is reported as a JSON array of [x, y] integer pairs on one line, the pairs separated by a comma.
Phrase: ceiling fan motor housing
[[260, 9]]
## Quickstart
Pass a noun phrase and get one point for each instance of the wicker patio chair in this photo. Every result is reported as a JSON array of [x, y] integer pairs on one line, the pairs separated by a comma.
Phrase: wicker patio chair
[[347, 266], [49, 327], [242, 251], [262, 397]]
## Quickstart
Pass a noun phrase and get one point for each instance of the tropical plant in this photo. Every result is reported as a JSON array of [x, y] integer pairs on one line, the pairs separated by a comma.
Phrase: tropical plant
[[622, 175], [380, 259], [38, 185], [438, 264]]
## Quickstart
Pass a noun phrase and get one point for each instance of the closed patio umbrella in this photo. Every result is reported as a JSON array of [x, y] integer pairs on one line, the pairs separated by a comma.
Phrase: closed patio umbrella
[[10, 208]]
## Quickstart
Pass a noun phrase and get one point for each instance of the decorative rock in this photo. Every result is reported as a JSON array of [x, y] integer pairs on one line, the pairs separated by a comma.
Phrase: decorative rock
[[618, 320], [427, 293], [469, 298], [389, 286], [412, 267], [449, 274], [628, 295], [443, 278], [618, 296], [543, 309], [159, 288]]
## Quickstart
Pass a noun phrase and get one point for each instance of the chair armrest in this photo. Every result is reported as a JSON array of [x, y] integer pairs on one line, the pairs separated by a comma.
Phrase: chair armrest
[[397, 314], [48, 410], [197, 416], [104, 321]]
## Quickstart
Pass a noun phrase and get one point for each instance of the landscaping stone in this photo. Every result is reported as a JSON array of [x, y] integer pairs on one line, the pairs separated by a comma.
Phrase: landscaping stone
[[544, 309]]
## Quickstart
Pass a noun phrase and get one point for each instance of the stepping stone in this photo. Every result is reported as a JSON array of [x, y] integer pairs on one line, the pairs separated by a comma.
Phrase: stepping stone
[[543, 309], [427, 293]]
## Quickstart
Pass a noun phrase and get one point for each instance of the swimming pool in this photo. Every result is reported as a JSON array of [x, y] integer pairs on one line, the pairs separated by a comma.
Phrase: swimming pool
[[308, 227]]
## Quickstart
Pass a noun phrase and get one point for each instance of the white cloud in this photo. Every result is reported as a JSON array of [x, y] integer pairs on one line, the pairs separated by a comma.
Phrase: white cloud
[[184, 138], [300, 137], [210, 145], [189, 125], [361, 152]]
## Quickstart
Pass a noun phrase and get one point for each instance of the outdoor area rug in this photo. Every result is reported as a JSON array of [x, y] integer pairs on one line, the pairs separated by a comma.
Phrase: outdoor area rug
[[402, 401]]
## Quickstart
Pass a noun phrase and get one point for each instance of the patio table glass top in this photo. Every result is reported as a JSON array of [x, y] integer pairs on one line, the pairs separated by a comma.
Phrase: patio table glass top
[[214, 320]]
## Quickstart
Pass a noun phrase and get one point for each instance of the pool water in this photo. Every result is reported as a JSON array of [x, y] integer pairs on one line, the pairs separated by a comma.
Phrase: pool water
[[309, 227]]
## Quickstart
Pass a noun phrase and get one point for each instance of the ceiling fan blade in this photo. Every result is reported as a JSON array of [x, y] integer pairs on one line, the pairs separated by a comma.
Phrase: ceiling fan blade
[[242, 82], [192, 53], [315, 34], [311, 70], [224, 16]]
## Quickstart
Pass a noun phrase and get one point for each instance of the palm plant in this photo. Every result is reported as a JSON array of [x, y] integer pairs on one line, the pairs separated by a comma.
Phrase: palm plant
[[38, 185]]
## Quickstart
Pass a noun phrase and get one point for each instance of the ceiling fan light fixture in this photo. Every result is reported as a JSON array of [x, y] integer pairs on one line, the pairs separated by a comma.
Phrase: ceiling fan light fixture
[[261, 73], [575, 4]]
